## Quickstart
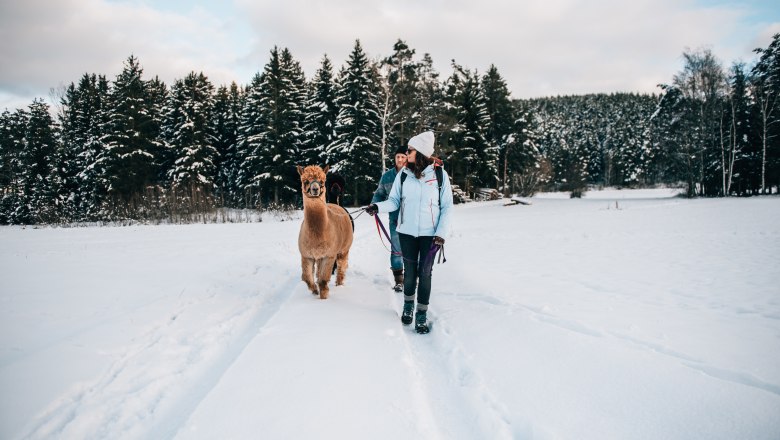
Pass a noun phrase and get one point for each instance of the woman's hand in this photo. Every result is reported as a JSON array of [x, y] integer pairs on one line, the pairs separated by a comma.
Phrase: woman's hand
[[372, 209], [438, 240]]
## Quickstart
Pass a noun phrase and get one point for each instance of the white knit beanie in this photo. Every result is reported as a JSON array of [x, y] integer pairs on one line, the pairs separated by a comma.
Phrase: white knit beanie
[[423, 143]]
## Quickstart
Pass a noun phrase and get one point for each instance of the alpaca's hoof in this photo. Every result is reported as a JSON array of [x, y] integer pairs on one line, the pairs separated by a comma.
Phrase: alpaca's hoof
[[324, 294]]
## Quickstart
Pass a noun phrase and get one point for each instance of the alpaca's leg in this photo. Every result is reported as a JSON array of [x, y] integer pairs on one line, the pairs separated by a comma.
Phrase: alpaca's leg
[[307, 273], [343, 264], [324, 268]]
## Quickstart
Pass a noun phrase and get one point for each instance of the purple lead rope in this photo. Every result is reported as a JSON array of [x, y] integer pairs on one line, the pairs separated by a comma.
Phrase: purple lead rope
[[429, 258]]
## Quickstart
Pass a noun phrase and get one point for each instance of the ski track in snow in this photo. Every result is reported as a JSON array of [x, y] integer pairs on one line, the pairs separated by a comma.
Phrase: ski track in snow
[[118, 404], [736, 377], [453, 393]]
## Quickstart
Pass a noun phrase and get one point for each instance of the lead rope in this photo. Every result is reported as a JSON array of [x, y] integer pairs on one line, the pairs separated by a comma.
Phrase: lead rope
[[429, 258]]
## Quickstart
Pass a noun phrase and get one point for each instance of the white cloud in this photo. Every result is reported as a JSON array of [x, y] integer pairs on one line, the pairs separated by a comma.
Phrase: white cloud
[[541, 47], [44, 44]]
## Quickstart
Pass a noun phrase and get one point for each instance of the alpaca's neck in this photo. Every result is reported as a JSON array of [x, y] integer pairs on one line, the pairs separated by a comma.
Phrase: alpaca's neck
[[315, 214]]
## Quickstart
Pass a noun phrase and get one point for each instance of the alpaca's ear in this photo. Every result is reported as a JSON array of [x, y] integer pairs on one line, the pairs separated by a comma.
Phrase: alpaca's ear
[[325, 170], [300, 170]]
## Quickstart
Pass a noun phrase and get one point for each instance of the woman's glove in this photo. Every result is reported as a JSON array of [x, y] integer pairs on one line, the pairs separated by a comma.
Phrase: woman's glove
[[438, 240], [372, 209]]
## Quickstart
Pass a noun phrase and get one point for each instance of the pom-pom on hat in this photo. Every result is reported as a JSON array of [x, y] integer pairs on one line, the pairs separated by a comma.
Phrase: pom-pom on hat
[[423, 143]]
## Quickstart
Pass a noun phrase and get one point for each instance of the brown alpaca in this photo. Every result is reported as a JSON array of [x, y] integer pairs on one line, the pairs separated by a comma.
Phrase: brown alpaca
[[326, 233]]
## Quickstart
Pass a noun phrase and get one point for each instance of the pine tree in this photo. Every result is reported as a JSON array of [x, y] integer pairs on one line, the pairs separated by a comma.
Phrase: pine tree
[[39, 178], [320, 115], [766, 92], [226, 120], [247, 152], [83, 119], [190, 139], [674, 127], [737, 156], [12, 141], [156, 98], [528, 171], [355, 152], [399, 107], [70, 145], [131, 141], [430, 99], [500, 132], [474, 161], [270, 135]]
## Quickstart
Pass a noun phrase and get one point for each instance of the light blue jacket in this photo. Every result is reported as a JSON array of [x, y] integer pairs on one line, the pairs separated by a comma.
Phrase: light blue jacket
[[383, 190], [419, 212]]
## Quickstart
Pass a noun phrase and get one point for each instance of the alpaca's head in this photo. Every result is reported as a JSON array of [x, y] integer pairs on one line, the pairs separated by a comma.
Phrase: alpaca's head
[[313, 181]]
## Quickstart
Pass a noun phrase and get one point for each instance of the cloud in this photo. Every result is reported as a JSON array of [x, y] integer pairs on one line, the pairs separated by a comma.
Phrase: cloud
[[541, 47], [44, 44]]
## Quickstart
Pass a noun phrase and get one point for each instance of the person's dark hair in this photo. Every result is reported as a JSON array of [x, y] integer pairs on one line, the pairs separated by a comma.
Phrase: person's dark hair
[[420, 163]]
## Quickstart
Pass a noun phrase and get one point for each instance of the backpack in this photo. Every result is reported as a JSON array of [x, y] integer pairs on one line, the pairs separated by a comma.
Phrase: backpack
[[437, 169]]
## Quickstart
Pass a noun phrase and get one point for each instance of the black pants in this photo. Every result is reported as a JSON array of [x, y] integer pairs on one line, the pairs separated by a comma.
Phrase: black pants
[[417, 266]]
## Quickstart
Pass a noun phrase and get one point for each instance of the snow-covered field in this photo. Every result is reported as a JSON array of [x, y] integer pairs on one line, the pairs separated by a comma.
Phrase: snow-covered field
[[566, 319]]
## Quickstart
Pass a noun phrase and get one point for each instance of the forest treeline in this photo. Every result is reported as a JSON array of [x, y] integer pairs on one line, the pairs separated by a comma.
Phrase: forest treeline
[[137, 148]]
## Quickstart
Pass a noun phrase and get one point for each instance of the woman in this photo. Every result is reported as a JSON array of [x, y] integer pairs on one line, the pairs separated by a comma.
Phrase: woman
[[425, 205]]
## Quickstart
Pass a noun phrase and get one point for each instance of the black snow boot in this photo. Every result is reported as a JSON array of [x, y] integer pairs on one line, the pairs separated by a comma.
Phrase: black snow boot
[[421, 324], [398, 277], [406, 317]]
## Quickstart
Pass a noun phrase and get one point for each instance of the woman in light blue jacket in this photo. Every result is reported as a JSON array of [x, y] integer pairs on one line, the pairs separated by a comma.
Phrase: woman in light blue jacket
[[423, 197]]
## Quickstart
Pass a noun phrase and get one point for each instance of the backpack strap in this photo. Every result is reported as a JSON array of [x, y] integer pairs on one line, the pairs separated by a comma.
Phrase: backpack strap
[[401, 190], [439, 178]]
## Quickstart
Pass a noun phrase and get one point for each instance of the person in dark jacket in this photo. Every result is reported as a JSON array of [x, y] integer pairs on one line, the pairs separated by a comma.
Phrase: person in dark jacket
[[425, 212], [380, 195], [334, 185]]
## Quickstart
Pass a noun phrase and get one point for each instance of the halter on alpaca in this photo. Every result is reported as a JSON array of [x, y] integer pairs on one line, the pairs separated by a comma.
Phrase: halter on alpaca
[[325, 236]]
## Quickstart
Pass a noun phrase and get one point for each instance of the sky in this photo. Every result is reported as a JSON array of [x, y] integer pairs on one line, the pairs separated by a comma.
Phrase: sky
[[540, 47]]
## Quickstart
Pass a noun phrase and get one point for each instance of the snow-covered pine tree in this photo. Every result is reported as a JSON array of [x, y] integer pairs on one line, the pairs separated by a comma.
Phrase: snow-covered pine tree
[[270, 134], [282, 101], [248, 145], [189, 139], [82, 121], [429, 99], [355, 152], [527, 169], [740, 153], [39, 177], [157, 95], [399, 106], [673, 130], [69, 164], [319, 128], [765, 86], [735, 129], [131, 140], [12, 132], [622, 130], [500, 132], [226, 119], [474, 162]]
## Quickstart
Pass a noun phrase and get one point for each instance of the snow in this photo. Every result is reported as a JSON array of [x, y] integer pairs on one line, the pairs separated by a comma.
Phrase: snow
[[562, 319], [617, 194]]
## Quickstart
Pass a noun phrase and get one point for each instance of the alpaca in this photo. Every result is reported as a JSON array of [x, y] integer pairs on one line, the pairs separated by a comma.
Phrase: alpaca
[[325, 236]]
